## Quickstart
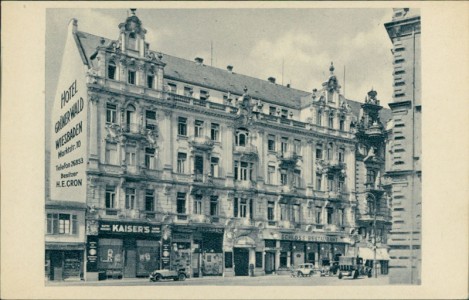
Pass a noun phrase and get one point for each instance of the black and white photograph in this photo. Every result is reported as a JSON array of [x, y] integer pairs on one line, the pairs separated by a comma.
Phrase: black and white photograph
[[246, 147]]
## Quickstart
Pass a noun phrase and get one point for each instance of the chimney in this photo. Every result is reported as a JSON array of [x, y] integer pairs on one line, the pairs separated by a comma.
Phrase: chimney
[[199, 60], [271, 79], [229, 68]]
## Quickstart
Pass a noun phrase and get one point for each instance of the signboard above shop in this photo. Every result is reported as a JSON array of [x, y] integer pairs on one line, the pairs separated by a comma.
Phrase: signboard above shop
[[303, 237], [115, 227]]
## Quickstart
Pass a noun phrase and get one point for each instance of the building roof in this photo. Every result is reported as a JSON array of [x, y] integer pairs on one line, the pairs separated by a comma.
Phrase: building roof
[[189, 71]]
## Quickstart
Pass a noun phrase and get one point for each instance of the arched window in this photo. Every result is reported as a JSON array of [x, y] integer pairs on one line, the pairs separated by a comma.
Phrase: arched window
[[241, 138], [132, 41], [111, 70]]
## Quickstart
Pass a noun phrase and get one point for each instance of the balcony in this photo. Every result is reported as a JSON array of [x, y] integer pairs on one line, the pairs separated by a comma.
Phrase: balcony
[[249, 151], [271, 224], [337, 166], [203, 143], [374, 188], [132, 128], [245, 184], [288, 159]]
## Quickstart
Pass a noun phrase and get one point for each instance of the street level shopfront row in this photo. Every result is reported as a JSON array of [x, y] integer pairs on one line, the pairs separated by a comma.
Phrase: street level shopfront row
[[117, 249]]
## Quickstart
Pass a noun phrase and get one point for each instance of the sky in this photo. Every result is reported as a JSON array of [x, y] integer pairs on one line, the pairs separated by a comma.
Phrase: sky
[[257, 42]]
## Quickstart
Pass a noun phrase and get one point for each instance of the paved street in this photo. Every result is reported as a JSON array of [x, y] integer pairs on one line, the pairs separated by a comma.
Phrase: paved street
[[270, 280]]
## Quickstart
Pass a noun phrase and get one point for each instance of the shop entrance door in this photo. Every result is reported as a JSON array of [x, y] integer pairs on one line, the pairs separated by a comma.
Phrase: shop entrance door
[[269, 262], [241, 261], [130, 267]]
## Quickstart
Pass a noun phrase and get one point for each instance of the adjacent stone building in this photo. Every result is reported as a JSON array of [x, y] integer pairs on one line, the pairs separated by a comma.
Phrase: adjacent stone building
[[404, 148], [184, 165]]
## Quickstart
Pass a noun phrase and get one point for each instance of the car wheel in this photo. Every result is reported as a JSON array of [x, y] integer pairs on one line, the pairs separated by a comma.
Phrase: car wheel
[[341, 275], [300, 274], [158, 277], [181, 277]]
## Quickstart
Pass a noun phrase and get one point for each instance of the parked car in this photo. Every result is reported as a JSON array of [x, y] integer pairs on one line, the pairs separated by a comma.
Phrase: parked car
[[352, 267], [177, 275], [303, 270]]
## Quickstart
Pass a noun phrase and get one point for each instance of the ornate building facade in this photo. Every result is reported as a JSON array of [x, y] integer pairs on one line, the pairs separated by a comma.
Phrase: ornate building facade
[[191, 166], [404, 165]]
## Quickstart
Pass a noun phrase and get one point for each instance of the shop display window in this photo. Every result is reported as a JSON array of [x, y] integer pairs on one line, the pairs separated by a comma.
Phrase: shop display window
[[148, 258], [110, 255]]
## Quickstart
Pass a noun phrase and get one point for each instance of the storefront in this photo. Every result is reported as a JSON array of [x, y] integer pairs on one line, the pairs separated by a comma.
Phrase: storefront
[[127, 249], [368, 255], [64, 261], [288, 250], [198, 250]]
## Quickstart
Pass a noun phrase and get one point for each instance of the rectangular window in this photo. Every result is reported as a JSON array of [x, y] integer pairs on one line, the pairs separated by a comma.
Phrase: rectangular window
[[110, 197], [214, 132], [272, 110], [150, 158], [111, 154], [331, 121], [150, 119], [130, 198], [181, 203], [341, 155], [318, 118], [319, 151], [296, 214], [181, 163], [130, 157], [284, 212], [214, 166], [283, 177], [297, 178], [318, 181], [284, 113], [235, 207], [297, 147], [198, 205], [330, 183], [111, 113], [62, 224], [150, 200], [150, 79], [330, 148], [284, 145], [188, 91], [330, 214], [243, 171], [131, 77], [341, 184], [203, 95], [318, 215], [340, 217], [270, 174], [214, 205], [198, 128], [172, 87], [111, 71], [342, 124], [182, 126], [243, 208], [271, 142], [271, 211]]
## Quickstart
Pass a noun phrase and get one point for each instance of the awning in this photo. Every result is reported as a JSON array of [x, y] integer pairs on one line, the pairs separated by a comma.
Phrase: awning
[[368, 254]]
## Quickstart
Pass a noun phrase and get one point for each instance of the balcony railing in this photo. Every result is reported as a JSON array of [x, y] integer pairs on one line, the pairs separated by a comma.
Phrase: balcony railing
[[248, 149], [201, 142], [132, 128]]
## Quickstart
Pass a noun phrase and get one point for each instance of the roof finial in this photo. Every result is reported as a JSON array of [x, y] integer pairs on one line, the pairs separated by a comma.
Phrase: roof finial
[[331, 68]]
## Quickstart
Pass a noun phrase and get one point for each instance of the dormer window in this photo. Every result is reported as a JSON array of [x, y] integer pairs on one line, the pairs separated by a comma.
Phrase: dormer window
[[241, 137], [132, 42], [111, 70]]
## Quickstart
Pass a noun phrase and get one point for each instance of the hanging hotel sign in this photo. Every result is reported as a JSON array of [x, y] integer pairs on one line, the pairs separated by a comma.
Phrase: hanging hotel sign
[[128, 228], [68, 120]]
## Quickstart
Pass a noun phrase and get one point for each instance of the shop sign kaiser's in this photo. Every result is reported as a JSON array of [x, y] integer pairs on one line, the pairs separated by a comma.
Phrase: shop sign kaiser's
[[69, 129]]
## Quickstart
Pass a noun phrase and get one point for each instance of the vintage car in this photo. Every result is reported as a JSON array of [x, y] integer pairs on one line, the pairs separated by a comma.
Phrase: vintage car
[[303, 270], [352, 267], [158, 275]]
